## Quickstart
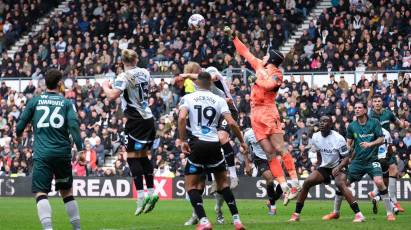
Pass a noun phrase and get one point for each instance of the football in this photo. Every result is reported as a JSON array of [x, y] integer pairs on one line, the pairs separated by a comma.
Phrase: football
[[196, 21]]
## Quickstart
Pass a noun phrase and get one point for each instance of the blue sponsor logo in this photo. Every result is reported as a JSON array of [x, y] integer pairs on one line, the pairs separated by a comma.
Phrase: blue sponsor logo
[[192, 169], [205, 129], [144, 104]]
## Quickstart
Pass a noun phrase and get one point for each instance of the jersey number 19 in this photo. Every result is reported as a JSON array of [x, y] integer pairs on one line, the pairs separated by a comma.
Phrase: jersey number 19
[[208, 112]]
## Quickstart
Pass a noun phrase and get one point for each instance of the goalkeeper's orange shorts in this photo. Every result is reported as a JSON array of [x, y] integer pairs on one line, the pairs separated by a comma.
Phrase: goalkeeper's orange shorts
[[265, 122]]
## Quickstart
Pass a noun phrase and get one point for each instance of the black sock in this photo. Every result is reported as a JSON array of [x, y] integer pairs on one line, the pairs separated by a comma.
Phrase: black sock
[[137, 172], [228, 154], [197, 202], [278, 192], [354, 206], [229, 199], [271, 193], [298, 207], [148, 170]]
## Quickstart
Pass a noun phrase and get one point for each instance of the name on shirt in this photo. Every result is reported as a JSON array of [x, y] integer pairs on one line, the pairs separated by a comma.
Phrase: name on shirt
[[50, 102], [204, 98]]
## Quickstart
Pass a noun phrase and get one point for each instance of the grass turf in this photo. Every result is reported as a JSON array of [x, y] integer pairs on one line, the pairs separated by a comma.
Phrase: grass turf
[[20, 213]]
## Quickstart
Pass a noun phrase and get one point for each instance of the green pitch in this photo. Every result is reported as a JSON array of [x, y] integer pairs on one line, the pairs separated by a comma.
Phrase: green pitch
[[20, 213]]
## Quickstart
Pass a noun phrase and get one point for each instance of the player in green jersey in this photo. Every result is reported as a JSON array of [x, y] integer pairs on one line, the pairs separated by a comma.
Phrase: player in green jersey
[[53, 119], [385, 117], [364, 136]]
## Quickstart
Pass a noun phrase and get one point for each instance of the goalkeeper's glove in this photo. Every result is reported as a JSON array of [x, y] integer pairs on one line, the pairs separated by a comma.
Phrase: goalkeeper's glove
[[229, 32]]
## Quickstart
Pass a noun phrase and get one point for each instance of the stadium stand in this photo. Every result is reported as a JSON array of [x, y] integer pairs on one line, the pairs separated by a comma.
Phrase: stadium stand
[[355, 35], [85, 40], [17, 17]]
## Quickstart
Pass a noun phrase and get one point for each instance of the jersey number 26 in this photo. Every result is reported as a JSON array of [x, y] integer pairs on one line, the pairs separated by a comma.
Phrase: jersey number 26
[[56, 120]]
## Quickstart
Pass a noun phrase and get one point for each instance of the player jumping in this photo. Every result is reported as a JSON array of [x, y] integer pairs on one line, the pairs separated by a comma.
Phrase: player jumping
[[204, 151], [133, 87], [260, 161], [365, 136], [265, 119], [334, 157], [385, 117], [53, 118]]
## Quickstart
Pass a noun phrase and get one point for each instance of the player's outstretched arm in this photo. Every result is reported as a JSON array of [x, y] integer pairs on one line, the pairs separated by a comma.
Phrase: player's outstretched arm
[[25, 117], [242, 49], [74, 126]]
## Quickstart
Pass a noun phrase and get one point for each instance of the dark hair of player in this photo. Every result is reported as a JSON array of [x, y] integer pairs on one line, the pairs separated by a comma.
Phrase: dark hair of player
[[53, 77], [204, 80]]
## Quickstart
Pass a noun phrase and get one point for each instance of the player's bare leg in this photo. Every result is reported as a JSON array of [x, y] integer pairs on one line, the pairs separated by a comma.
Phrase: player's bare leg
[[71, 207], [277, 140], [342, 185], [313, 179], [225, 191]]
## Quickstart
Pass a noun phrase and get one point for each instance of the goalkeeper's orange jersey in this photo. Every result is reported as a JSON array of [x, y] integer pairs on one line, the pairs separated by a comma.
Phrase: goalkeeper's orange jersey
[[269, 78], [265, 118]]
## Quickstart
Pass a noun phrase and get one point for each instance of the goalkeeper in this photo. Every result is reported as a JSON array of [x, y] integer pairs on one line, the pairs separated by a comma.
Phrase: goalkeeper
[[265, 119]]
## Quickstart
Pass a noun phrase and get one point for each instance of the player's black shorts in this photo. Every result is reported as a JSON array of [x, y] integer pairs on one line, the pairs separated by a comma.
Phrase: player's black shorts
[[327, 174], [261, 164], [385, 165], [223, 124], [205, 157], [140, 134]]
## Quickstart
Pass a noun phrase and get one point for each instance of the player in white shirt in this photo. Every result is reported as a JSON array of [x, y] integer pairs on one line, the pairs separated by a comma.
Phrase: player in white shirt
[[263, 167], [220, 88], [133, 87], [204, 109], [384, 154], [332, 149]]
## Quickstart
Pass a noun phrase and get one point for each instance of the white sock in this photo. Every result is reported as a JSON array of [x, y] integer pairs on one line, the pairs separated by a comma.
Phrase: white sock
[[140, 197], [387, 203], [294, 183], [44, 213], [392, 189], [236, 219], [219, 200], [337, 203], [284, 187], [73, 213], [375, 191], [232, 171], [150, 192]]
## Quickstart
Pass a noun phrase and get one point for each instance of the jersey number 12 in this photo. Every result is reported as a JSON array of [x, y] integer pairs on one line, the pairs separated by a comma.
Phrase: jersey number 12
[[55, 116]]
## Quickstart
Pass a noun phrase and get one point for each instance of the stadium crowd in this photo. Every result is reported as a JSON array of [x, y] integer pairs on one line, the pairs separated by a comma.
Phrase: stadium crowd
[[85, 39], [355, 35], [300, 106]]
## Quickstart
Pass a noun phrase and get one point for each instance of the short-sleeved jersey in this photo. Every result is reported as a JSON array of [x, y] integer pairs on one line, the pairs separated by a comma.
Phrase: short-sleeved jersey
[[385, 117], [53, 118], [204, 111], [251, 141], [368, 132], [134, 85], [383, 149], [332, 148]]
